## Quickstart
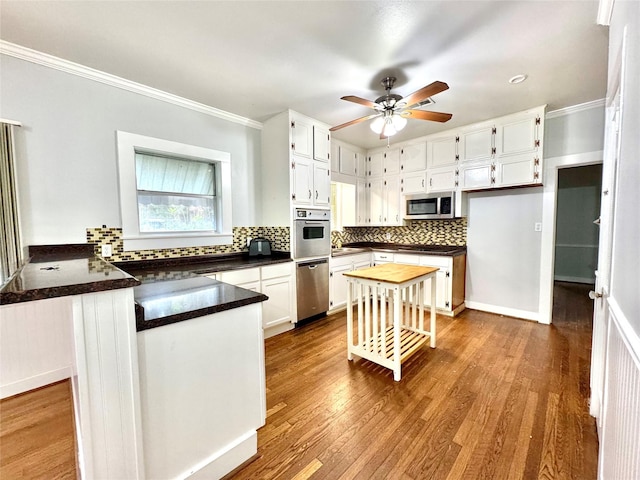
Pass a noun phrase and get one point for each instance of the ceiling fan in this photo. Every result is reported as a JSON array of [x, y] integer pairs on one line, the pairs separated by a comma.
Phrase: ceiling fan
[[393, 110]]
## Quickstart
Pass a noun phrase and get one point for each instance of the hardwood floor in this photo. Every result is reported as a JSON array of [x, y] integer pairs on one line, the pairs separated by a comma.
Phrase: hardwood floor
[[37, 437], [499, 398]]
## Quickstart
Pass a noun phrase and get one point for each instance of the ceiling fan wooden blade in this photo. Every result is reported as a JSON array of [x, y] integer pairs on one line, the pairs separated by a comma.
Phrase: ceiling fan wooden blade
[[361, 101], [424, 93], [424, 115], [353, 122]]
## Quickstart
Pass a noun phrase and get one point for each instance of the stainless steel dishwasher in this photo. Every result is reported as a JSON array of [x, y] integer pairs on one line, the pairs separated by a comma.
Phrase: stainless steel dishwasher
[[312, 282]]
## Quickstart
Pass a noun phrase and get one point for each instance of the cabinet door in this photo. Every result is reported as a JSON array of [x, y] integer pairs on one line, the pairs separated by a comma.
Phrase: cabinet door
[[376, 164], [347, 161], [477, 176], [391, 161], [413, 158], [361, 165], [442, 151], [376, 200], [301, 138], [335, 158], [518, 170], [517, 136], [442, 179], [278, 308], [476, 144], [392, 200], [414, 183], [321, 144], [302, 181], [321, 184], [362, 202], [338, 286]]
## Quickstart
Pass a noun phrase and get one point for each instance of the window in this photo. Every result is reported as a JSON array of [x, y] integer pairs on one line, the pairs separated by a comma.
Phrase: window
[[173, 194]]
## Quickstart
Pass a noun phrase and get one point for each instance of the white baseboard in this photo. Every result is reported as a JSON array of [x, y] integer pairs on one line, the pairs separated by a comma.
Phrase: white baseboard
[[564, 278], [226, 459], [510, 312], [36, 381], [278, 329]]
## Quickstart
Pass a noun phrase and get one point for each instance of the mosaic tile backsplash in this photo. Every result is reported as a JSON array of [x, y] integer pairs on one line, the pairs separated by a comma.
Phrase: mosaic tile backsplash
[[279, 237], [432, 232]]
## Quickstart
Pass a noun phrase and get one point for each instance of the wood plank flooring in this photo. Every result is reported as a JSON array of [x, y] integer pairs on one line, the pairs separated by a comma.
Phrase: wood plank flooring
[[499, 398], [37, 436]]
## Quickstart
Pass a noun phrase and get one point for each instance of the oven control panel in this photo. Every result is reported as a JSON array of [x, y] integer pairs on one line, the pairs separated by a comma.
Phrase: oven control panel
[[312, 214]]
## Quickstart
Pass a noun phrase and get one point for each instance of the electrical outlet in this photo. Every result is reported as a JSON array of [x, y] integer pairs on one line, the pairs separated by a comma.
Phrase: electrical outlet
[[388, 236], [537, 226], [106, 250]]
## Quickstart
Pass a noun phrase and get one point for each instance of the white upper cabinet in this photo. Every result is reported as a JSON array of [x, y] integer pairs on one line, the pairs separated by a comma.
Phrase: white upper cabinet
[[413, 157], [321, 185], [362, 203], [442, 179], [302, 181], [518, 136], [413, 183], [361, 165], [476, 143], [442, 150], [391, 161], [376, 164], [348, 159], [392, 201], [321, 144], [335, 157], [301, 137]]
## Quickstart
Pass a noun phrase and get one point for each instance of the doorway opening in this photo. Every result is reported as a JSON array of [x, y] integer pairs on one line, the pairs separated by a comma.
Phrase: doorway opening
[[577, 224]]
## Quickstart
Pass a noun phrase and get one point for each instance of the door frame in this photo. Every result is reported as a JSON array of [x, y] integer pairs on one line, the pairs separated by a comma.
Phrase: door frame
[[549, 207]]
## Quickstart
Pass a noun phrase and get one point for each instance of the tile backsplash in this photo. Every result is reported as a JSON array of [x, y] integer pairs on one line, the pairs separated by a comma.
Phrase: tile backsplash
[[432, 232], [279, 237]]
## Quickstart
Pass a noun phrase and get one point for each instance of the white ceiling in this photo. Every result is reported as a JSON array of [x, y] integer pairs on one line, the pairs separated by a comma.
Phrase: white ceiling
[[256, 59]]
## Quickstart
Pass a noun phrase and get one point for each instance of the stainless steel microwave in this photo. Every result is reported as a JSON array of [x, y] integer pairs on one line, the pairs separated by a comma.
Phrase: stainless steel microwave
[[430, 206]]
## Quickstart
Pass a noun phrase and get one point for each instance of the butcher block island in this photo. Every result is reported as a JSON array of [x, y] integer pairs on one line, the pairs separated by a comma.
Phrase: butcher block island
[[390, 301]]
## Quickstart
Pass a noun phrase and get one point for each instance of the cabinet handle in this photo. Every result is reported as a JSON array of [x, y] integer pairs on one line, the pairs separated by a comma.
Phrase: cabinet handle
[[316, 194], [431, 182], [397, 219], [309, 194], [423, 183], [380, 217], [293, 147]]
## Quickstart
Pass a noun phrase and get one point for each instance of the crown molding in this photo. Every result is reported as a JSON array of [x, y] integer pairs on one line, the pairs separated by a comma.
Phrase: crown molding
[[605, 11], [576, 108], [33, 56]]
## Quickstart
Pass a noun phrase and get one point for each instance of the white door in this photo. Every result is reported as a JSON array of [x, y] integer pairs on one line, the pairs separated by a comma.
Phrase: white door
[[338, 287], [603, 274], [392, 201], [321, 184], [347, 161], [413, 158], [376, 201], [321, 144], [302, 181], [362, 202], [301, 138], [277, 309]]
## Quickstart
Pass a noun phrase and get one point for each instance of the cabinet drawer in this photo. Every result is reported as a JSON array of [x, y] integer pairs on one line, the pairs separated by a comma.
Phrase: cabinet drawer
[[236, 277], [435, 261], [382, 257], [407, 258], [277, 270]]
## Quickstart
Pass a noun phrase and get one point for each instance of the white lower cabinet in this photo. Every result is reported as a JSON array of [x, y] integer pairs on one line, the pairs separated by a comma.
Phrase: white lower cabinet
[[275, 281], [338, 282]]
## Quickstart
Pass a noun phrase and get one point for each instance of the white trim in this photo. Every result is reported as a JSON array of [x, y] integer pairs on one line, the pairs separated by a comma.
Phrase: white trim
[[605, 11], [133, 239], [499, 310], [576, 108], [15, 123], [549, 205], [66, 66], [35, 381]]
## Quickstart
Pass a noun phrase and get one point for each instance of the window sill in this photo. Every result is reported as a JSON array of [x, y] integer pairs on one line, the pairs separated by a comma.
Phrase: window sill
[[159, 242]]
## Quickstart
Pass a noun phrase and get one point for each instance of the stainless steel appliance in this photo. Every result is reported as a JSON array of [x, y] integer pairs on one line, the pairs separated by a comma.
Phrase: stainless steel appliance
[[429, 206], [312, 235], [312, 286]]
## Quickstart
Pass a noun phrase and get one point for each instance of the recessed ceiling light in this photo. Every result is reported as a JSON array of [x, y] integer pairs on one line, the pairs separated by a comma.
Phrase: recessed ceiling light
[[518, 78]]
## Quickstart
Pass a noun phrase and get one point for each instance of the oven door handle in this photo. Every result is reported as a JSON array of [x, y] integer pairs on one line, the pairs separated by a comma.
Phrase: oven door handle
[[315, 223]]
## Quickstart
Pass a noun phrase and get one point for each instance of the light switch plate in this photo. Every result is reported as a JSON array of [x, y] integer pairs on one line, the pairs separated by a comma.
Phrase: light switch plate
[[537, 226]]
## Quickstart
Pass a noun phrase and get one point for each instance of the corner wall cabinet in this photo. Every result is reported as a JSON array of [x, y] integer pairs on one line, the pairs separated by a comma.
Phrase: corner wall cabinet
[[296, 153]]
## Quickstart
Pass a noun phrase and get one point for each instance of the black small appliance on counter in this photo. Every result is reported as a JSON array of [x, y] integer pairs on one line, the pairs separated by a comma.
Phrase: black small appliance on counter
[[259, 246]]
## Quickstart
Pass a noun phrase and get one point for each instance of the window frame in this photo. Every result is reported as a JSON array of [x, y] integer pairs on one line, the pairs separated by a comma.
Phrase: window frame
[[128, 145]]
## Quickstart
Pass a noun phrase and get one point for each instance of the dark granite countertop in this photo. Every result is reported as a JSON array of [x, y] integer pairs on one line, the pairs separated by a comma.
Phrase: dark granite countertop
[[165, 302], [442, 250], [58, 275]]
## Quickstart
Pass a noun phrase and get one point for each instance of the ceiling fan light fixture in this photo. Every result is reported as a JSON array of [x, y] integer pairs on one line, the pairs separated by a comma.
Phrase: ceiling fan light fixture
[[398, 122], [377, 125]]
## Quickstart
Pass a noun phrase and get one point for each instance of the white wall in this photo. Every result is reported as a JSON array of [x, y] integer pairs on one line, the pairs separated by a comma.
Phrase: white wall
[[503, 251], [66, 149]]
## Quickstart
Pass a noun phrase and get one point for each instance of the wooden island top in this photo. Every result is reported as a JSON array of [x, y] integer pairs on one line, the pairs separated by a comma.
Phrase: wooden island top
[[391, 273]]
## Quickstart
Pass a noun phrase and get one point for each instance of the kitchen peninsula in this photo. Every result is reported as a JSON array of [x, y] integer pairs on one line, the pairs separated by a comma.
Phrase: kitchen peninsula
[[199, 356]]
